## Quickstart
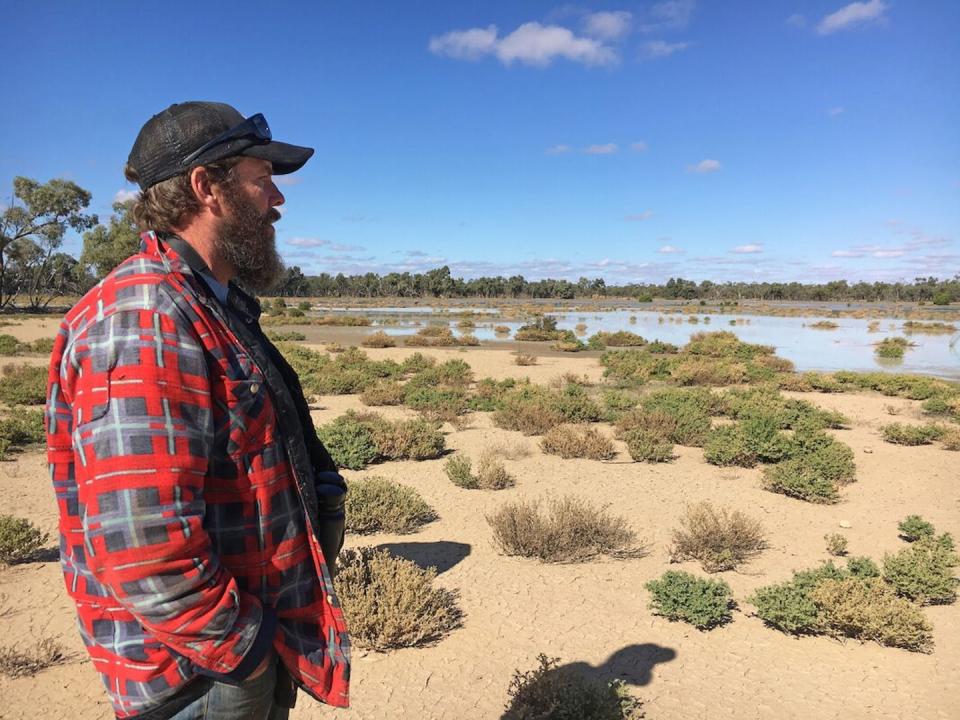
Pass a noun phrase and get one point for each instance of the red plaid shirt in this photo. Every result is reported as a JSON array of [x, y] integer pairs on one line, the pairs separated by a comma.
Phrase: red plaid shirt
[[183, 535]]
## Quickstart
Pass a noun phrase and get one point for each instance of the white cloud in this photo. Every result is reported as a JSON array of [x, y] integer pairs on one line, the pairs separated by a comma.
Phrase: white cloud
[[537, 44], [669, 15], [306, 242], [797, 20], [887, 253], [705, 166], [669, 250], [287, 179], [856, 13], [639, 217], [470, 44], [607, 25], [747, 249], [558, 150], [531, 43], [638, 146], [124, 195], [660, 49], [607, 149], [834, 111], [846, 254]]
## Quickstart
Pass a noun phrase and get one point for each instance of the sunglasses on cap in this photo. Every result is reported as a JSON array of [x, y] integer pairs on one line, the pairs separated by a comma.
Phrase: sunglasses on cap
[[254, 126]]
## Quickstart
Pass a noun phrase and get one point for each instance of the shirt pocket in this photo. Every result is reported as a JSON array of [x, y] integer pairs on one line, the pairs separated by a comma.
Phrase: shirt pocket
[[244, 414]]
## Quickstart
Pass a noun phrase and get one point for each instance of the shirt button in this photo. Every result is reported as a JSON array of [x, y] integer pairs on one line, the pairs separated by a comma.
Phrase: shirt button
[[329, 599], [254, 388]]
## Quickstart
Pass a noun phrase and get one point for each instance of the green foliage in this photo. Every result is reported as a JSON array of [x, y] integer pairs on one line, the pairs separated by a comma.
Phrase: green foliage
[[726, 445], [648, 446], [9, 345], [552, 693], [19, 539], [764, 439], [383, 392], [416, 363], [942, 297], [721, 539], [901, 434], [819, 465], [106, 246], [690, 409], [923, 572], [417, 439], [543, 328], [621, 338], [703, 603], [23, 385], [862, 567], [287, 336], [460, 471], [569, 441], [19, 430], [568, 530], [788, 606], [350, 442], [489, 393], [378, 339], [914, 527], [376, 504], [389, 602], [891, 347]]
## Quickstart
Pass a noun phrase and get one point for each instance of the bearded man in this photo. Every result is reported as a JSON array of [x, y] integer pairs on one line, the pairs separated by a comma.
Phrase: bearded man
[[200, 516]]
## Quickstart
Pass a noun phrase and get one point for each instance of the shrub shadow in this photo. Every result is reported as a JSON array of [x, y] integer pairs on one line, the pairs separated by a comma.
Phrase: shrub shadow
[[632, 664], [441, 555]]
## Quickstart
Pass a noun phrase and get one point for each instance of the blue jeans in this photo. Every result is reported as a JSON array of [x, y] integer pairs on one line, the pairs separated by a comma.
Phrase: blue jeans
[[250, 700]]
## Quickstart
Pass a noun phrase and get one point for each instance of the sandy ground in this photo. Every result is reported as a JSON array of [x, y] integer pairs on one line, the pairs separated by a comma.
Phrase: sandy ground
[[593, 614]]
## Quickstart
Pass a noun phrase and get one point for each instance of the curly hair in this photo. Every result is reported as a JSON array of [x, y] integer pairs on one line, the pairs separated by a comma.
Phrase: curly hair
[[169, 204]]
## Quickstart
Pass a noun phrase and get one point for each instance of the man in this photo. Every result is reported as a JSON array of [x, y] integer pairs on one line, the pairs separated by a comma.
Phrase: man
[[200, 516]]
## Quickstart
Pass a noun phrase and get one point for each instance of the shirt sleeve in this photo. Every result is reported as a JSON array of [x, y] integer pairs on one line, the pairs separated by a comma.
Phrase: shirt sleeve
[[142, 438]]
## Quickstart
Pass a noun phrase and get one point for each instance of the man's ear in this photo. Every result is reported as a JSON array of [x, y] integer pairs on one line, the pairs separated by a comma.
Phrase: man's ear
[[206, 192]]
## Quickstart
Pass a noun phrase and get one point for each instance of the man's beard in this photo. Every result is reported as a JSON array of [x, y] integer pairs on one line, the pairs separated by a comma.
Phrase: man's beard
[[246, 240]]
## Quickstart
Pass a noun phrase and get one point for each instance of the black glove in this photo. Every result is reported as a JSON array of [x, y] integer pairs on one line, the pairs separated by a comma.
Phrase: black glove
[[331, 495]]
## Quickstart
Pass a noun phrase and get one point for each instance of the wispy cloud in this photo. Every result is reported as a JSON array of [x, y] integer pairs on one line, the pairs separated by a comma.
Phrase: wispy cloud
[[656, 49], [835, 111], [124, 195], [846, 254], [669, 15], [608, 25], [705, 166], [747, 249], [606, 149], [638, 146], [669, 250], [797, 20], [639, 217], [308, 242], [558, 150], [887, 253], [530, 44], [853, 15]]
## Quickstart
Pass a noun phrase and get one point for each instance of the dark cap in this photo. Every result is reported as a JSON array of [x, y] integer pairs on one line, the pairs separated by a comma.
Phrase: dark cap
[[166, 142]]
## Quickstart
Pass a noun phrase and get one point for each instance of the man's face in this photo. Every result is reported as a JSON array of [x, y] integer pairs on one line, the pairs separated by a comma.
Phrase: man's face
[[246, 235]]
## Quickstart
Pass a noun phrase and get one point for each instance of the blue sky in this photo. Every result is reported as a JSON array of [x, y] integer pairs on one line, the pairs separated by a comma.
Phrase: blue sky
[[784, 140]]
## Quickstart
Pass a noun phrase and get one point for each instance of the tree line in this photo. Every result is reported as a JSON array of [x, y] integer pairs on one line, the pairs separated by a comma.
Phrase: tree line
[[34, 270]]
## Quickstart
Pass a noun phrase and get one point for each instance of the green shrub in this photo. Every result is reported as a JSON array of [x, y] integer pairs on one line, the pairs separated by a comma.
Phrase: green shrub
[[862, 567], [766, 442], [720, 539], [416, 363], [460, 471], [914, 527], [407, 439], [437, 403], [726, 446], [621, 338], [814, 474], [568, 530], [389, 602], [689, 408], [9, 345], [376, 504], [923, 572], [703, 603], [616, 403], [788, 606], [543, 328], [531, 409], [648, 446], [900, 434], [836, 544], [870, 610], [350, 442], [19, 539], [492, 475], [384, 392], [286, 336], [378, 339], [560, 693], [23, 385], [42, 345], [24, 428], [575, 406]]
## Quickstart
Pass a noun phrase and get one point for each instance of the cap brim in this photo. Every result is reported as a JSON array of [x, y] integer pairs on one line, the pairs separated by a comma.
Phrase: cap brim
[[285, 158]]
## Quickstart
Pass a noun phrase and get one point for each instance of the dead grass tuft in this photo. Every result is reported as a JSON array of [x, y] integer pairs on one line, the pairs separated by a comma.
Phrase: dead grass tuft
[[16, 662], [571, 441], [721, 539]]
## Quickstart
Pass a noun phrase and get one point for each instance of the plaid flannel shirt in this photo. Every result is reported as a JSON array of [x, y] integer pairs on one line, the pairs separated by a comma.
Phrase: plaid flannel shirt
[[185, 538]]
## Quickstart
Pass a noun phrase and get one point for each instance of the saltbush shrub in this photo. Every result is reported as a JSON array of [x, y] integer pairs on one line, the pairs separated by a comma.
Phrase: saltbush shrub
[[726, 445], [570, 441], [9, 345], [459, 469], [375, 504], [788, 606], [23, 385], [923, 572], [901, 434], [389, 602], [19, 539], [703, 603], [836, 544], [648, 446], [384, 392], [491, 473], [862, 567], [719, 538], [17, 662], [550, 692], [690, 409], [867, 609], [350, 442], [567, 530], [531, 409], [379, 339], [815, 473], [20, 430], [914, 527], [407, 439]]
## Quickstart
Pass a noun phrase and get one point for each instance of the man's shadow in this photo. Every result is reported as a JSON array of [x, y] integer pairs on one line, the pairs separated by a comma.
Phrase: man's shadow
[[632, 664]]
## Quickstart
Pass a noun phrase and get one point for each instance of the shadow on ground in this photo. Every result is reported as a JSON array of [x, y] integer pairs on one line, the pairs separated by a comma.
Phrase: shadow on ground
[[441, 555]]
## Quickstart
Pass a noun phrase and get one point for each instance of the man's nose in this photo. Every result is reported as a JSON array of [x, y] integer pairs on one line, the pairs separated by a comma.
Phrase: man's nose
[[277, 197]]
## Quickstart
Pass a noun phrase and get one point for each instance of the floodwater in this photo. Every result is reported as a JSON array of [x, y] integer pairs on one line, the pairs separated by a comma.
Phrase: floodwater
[[848, 347]]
